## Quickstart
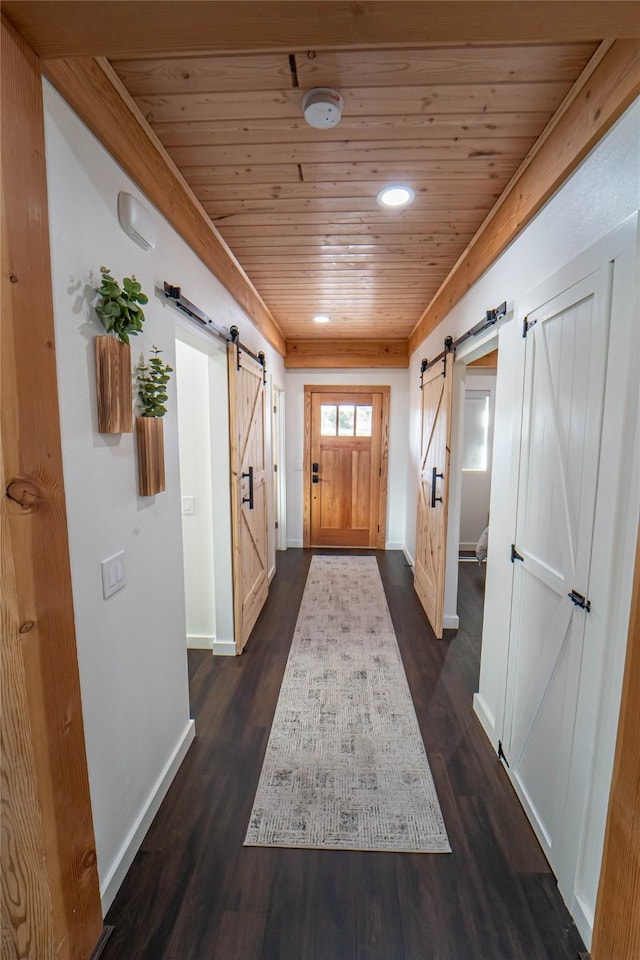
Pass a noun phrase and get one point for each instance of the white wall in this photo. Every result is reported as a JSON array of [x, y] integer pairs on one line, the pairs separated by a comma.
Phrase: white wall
[[194, 436], [602, 195], [131, 647], [295, 383]]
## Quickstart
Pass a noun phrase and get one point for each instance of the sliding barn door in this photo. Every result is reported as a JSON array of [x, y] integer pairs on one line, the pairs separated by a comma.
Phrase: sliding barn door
[[433, 491], [566, 354], [248, 492]]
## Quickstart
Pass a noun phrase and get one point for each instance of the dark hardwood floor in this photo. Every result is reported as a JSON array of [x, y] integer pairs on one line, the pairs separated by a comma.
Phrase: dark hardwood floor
[[195, 893]]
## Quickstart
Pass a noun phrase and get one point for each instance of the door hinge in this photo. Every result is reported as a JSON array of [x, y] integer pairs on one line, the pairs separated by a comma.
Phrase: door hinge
[[514, 554], [275, 409], [378, 528], [380, 471], [275, 468], [276, 524], [526, 326], [580, 601], [501, 755]]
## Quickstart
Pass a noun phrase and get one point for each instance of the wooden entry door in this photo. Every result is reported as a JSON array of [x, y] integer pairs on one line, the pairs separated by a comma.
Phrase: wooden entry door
[[566, 355], [346, 466], [433, 491], [248, 492]]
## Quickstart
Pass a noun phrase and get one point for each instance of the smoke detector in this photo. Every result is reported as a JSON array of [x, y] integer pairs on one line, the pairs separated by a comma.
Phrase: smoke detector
[[322, 107]]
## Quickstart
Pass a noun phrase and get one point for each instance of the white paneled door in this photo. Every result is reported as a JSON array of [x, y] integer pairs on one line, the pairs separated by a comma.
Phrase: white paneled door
[[566, 355]]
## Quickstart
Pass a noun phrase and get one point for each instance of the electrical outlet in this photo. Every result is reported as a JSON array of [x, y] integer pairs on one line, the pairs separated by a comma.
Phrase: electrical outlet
[[113, 574]]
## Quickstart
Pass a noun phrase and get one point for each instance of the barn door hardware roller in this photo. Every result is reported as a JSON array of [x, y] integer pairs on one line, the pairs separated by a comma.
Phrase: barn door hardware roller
[[451, 345], [173, 294]]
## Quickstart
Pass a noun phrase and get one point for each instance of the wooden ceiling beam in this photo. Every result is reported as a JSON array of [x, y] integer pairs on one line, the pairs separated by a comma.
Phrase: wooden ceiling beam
[[136, 28], [574, 131], [94, 91], [340, 354]]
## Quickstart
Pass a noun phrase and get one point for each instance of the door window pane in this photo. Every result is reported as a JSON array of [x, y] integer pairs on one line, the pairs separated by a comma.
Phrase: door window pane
[[328, 419], [363, 421], [346, 420], [476, 430]]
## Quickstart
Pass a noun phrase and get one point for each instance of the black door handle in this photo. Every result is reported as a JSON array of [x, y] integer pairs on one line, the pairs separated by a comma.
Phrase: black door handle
[[434, 476], [249, 499]]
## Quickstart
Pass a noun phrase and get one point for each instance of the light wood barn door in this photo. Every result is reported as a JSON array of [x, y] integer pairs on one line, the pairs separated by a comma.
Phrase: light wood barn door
[[248, 492], [433, 491], [566, 353], [347, 472]]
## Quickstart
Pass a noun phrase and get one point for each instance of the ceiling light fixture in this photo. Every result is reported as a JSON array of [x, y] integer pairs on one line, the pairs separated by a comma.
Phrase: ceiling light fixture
[[396, 195], [322, 107], [321, 318]]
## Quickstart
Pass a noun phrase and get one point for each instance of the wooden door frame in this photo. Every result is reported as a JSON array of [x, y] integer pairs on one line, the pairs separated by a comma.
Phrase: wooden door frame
[[50, 892], [385, 392]]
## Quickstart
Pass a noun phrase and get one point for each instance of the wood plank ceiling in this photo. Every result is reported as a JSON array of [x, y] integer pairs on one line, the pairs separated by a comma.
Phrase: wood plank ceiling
[[297, 205]]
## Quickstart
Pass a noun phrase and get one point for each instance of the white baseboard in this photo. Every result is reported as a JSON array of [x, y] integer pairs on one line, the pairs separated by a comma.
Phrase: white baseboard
[[130, 847], [450, 621], [583, 917], [486, 718], [295, 543], [199, 642], [408, 557], [224, 648], [393, 545], [272, 573]]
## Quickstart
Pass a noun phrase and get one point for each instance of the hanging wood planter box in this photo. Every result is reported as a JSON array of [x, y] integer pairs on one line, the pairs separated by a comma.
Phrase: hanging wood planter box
[[150, 433], [113, 383]]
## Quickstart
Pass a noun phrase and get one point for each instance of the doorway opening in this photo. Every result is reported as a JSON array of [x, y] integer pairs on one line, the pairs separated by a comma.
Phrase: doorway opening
[[203, 440], [472, 435]]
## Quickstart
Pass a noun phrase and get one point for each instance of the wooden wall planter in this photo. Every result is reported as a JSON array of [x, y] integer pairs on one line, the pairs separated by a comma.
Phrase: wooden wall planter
[[113, 383], [150, 435]]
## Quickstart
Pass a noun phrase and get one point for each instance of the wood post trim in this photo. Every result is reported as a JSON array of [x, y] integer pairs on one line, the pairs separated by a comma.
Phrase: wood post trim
[[51, 904]]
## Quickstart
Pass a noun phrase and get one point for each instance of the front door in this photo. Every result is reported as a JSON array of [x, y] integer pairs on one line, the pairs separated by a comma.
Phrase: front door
[[566, 353], [433, 491], [346, 475], [248, 492]]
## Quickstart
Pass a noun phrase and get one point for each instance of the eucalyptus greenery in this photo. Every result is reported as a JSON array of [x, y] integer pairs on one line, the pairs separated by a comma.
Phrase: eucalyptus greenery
[[119, 309], [153, 378]]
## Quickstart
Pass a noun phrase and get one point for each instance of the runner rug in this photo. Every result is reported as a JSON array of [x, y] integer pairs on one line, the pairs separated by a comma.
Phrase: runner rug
[[345, 766]]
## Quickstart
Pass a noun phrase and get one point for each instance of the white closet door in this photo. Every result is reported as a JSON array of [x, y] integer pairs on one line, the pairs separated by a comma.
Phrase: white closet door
[[566, 355]]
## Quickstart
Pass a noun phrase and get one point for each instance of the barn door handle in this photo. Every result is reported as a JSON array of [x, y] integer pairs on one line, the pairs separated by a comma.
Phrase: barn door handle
[[249, 499], [435, 476]]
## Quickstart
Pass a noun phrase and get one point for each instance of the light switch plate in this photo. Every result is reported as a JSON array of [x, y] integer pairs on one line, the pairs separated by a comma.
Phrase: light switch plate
[[188, 507], [113, 574]]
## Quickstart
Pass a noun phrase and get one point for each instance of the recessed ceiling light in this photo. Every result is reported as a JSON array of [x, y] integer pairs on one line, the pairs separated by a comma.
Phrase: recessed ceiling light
[[321, 318], [396, 196]]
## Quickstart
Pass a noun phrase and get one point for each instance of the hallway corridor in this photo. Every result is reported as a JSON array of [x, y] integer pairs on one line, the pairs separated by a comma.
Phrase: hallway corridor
[[195, 893]]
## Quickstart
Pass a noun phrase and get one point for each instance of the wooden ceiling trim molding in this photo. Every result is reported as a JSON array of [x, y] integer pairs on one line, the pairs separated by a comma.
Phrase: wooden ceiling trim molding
[[343, 354], [96, 94], [71, 28], [611, 87]]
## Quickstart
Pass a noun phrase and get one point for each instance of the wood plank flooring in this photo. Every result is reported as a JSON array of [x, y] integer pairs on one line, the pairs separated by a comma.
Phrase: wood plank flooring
[[195, 893]]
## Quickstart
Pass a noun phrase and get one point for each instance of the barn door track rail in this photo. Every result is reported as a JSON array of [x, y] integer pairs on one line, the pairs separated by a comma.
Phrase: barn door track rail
[[173, 294], [451, 345]]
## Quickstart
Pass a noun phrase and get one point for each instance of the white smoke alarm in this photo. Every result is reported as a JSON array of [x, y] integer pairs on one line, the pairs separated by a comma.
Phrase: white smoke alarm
[[322, 107]]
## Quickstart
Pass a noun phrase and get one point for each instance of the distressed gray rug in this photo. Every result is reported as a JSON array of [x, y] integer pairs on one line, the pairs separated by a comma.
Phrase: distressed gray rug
[[345, 766]]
